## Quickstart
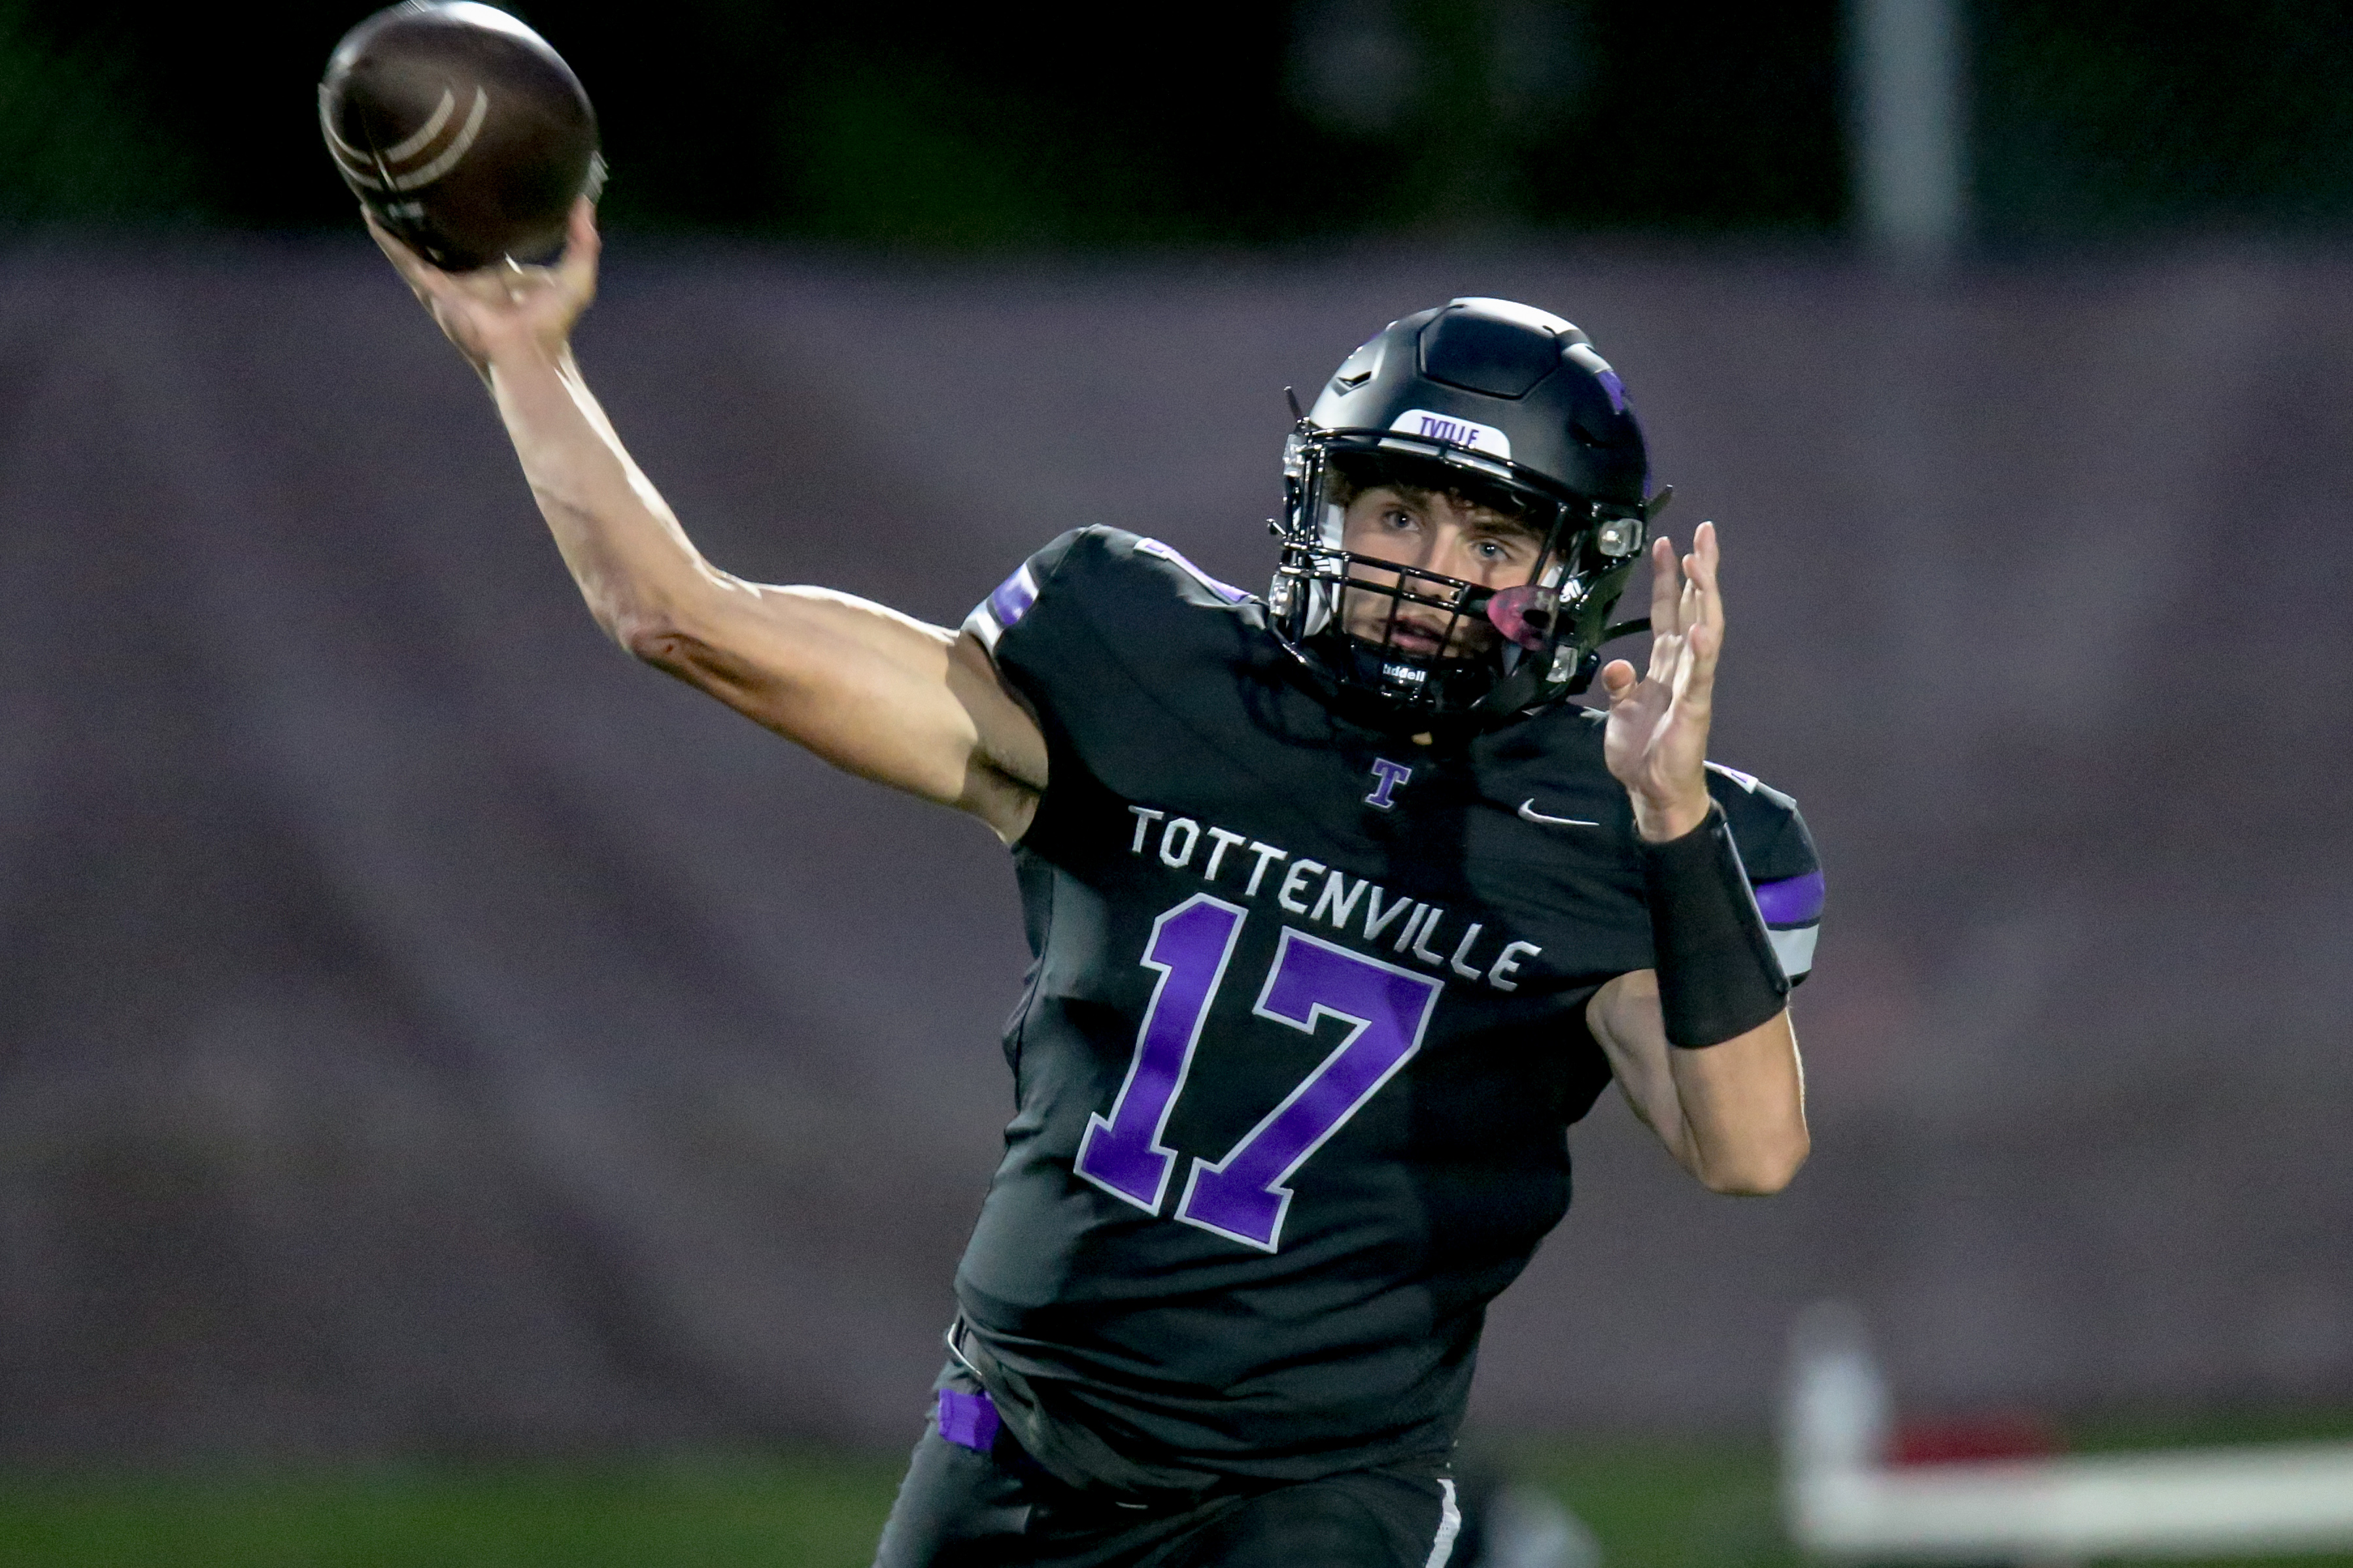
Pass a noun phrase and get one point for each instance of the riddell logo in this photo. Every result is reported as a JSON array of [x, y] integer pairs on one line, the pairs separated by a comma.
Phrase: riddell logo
[[1454, 432]]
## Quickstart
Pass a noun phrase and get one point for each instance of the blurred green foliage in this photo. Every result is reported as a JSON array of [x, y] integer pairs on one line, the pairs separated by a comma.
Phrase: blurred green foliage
[[2108, 118], [1231, 121], [75, 141]]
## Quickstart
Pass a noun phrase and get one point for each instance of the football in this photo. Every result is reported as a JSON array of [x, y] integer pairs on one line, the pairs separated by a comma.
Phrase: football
[[460, 130]]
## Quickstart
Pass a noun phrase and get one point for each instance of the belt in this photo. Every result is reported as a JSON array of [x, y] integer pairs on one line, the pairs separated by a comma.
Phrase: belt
[[1070, 1453], [967, 1420]]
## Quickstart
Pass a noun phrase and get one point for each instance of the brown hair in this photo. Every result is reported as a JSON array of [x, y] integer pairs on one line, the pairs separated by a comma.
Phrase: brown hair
[[1353, 473]]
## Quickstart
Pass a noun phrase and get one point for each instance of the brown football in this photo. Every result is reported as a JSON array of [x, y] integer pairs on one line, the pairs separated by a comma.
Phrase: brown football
[[460, 130]]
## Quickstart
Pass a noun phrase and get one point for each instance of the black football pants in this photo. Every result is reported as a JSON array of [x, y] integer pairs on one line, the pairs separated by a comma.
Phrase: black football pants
[[961, 1508]]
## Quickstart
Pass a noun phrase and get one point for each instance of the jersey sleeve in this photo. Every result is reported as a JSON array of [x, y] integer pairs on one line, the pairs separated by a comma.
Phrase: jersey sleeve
[[1043, 634], [1783, 869], [1010, 603], [1096, 617]]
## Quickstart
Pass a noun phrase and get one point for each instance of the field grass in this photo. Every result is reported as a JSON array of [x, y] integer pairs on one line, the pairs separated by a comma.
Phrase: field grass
[[818, 1511], [1653, 1504]]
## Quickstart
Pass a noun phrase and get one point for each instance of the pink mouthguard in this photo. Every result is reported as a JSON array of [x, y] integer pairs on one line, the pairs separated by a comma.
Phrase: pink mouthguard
[[1523, 613]]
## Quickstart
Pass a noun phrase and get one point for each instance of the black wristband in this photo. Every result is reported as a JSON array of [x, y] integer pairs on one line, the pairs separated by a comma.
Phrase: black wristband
[[1718, 976]]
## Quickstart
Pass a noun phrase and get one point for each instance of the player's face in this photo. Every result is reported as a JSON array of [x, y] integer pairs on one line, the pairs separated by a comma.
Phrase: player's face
[[1433, 532]]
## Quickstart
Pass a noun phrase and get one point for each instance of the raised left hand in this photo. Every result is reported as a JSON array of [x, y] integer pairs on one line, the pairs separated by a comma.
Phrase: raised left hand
[[1656, 741]]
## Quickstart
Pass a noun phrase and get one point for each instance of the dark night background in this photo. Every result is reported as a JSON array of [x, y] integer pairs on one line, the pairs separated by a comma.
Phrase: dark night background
[[978, 127]]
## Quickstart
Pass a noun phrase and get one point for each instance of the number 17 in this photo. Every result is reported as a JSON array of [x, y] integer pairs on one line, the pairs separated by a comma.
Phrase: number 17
[[1244, 1195]]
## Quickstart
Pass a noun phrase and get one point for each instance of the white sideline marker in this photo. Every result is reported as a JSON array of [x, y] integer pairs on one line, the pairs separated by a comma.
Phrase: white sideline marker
[[1846, 1503]]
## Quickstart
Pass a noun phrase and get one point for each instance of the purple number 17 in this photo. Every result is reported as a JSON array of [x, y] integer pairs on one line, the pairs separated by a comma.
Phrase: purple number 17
[[1243, 1195]]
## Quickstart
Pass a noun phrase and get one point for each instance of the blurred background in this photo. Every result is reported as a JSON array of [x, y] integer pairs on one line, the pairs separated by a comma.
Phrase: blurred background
[[463, 1098]]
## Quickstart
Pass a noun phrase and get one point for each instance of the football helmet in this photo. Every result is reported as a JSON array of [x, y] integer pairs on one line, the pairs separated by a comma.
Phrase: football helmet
[[1502, 407]]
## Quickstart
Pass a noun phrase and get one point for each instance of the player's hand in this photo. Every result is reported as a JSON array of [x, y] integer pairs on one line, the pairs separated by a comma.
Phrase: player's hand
[[505, 308], [1656, 741]]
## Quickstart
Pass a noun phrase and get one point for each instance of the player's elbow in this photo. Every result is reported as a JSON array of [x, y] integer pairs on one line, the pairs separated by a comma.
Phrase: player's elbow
[[1759, 1170], [656, 638], [686, 652]]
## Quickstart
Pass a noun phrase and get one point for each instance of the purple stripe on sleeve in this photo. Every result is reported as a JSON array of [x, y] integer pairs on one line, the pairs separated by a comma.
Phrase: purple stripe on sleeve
[[1791, 902], [968, 1420], [1012, 599]]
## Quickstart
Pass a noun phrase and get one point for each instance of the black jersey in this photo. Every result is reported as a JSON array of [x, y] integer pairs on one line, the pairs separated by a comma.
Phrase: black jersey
[[1306, 1031]]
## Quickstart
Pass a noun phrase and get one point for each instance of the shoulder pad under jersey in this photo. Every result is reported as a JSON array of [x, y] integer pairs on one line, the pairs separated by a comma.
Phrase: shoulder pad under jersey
[[1779, 854]]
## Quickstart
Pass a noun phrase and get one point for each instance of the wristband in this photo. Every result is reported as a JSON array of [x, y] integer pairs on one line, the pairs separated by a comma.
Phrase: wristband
[[1718, 976]]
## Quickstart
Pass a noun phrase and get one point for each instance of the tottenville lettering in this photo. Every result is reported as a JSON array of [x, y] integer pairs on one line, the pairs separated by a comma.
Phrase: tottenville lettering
[[1316, 892]]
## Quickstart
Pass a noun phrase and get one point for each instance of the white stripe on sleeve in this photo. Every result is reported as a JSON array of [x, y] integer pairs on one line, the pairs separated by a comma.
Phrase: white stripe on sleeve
[[1795, 948]]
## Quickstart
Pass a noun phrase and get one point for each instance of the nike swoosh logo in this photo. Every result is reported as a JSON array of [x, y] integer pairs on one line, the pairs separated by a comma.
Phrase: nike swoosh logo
[[1528, 813]]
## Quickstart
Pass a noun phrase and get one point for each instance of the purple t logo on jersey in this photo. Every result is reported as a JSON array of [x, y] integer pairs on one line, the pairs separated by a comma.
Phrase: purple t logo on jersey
[[1392, 774]]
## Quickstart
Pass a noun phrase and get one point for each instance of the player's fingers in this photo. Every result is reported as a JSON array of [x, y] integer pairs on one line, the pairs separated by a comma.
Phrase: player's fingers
[[1701, 568], [449, 296], [576, 269], [421, 274], [1666, 586], [1706, 643], [1616, 679], [418, 272]]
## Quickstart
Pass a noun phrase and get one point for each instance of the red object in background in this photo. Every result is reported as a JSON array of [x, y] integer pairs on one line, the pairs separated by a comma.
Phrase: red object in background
[[1997, 1437]]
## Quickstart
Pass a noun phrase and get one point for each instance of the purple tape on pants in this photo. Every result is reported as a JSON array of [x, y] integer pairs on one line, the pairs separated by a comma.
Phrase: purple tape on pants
[[968, 1420]]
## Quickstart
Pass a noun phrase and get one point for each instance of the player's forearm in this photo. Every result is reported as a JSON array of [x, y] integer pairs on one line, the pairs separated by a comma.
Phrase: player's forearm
[[1733, 1114], [1742, 1107], [633, 563]]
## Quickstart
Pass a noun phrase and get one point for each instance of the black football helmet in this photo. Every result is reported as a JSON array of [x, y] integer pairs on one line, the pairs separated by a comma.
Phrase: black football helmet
[[1505, 407]]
